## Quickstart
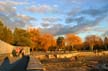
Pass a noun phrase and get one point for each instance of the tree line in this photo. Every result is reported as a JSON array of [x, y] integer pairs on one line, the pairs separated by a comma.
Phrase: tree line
[[39, 41]]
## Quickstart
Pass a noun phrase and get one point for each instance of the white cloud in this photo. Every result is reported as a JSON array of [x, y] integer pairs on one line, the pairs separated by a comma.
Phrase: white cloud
[[74, 1], [54, 29], [25, 17], [8, 13], [51, 19], [45, 24], [12, 3], [42, 9]]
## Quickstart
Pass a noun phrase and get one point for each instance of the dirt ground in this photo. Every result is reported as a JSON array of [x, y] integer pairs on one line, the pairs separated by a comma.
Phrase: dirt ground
[[83, 62]]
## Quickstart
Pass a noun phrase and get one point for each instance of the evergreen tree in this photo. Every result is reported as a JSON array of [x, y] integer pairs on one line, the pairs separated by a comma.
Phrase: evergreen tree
[[21, 37], [5, 34]]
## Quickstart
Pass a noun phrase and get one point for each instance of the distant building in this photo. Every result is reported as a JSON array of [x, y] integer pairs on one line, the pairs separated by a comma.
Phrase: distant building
[[5, 48]]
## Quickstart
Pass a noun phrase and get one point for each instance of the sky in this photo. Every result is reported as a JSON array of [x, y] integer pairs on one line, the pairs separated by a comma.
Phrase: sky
[[58, 17]]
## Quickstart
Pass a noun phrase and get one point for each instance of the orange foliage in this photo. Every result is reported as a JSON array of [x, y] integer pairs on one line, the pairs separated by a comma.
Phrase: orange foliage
[[34, 33], [72, 39], [93, 40], [41, 41], [47, 41], [35, 36]]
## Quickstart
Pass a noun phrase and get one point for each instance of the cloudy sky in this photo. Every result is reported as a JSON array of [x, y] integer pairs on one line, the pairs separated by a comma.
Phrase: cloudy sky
[[82, 17]]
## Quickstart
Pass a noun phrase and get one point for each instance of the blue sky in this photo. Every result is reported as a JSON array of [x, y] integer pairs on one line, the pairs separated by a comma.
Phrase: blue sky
[[58, 17]]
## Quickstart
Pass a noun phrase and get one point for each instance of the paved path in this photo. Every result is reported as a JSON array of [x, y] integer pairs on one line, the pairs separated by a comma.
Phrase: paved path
[[34, 64]]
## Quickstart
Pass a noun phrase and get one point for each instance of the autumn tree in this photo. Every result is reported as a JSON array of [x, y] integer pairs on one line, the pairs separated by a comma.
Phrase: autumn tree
[[60, 42], [5, 34], [35, 36], [72, 40], [47, 41], [21, 37], [93, 40]]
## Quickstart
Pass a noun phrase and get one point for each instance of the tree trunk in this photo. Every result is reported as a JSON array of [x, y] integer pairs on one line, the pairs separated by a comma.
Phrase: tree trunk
[[105, 47], [72, 47], [91, 48]]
